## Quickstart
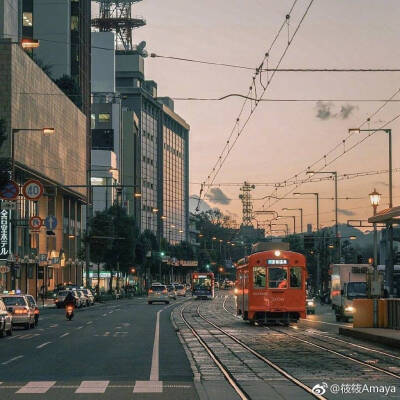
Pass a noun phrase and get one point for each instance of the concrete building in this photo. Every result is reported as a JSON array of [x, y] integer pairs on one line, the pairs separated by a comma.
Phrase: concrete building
[[162, 152], [58, 161]]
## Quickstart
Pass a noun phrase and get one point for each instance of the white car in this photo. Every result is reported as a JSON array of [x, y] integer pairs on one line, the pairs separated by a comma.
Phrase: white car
[[5, 320], [180, 290], [22, 312], [158, 293]]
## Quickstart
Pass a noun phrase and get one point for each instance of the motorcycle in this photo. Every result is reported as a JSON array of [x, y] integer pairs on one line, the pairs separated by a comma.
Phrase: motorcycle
[[69, 312]]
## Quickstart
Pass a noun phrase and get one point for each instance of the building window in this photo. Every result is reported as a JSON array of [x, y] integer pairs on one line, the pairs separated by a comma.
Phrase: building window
[[27, 19], [104, 117]]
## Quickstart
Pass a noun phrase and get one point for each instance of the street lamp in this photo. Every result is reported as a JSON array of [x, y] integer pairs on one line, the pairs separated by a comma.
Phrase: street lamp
[[334, 173], [317, 197], [301, 215], [375, 198]]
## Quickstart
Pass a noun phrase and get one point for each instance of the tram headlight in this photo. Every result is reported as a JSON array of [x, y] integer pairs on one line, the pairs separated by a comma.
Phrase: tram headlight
[[349, 309], [277, 253], [310, 303], [236, 291]]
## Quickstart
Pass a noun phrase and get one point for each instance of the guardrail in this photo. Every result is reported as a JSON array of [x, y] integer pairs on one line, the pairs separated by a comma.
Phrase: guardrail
[[393, 313]]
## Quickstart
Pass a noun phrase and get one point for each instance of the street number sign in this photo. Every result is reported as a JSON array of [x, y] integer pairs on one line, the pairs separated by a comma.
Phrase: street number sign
[[32, 190], [9, 191], [35, 222]]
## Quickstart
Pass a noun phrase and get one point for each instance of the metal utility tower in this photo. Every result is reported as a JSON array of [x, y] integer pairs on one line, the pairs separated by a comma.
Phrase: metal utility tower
[[116, 16], [247, 204]]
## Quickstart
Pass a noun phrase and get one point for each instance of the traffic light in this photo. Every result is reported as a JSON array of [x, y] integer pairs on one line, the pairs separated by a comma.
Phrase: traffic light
[[308, 242]]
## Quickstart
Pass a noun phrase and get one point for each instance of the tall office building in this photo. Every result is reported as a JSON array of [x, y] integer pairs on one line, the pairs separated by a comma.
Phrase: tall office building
[[162, 151], [63, 29]]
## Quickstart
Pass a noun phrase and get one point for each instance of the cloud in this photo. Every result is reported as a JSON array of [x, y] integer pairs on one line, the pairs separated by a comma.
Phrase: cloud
[[217, 196], [346, 110], [325, 110], [194, 200], [348, 213]]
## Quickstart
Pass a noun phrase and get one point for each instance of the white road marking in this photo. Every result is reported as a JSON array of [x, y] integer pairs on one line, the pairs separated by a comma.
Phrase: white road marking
[[79, 327], [11, 360], [42, 345], [36, 387], [148, 387], [154, 374], [89, 322], [104, 315], [65, 334], [92, 387], [53, 326]]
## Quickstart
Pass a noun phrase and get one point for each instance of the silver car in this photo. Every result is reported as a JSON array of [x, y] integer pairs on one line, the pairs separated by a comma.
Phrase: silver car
[[158, 293], [89, 295], [22, 312], [180, 290], [5, 320]]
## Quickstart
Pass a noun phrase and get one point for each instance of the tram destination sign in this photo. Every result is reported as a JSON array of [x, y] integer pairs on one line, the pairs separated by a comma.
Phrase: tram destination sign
[[277, 262]]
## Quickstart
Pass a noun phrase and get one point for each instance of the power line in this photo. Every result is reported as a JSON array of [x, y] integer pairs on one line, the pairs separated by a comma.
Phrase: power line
[[154, 55], [253, 86]]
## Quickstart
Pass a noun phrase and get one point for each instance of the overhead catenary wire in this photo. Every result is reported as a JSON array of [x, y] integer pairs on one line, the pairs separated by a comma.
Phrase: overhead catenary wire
[[221, 160]]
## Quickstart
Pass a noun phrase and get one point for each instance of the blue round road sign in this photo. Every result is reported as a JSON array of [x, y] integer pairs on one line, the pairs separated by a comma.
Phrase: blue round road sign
[[9, 191], [50, 222]]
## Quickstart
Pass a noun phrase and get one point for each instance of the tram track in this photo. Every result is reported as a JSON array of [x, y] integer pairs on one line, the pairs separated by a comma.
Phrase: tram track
[[326, 340], [258, 355]]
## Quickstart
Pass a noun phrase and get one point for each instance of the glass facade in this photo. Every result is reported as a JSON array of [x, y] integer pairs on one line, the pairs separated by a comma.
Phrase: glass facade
[[174, 179], [149, 186]]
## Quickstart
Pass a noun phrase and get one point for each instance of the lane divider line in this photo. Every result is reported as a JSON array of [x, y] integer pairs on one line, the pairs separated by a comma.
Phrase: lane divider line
[[65, 334], [42, 345], [11, 360]]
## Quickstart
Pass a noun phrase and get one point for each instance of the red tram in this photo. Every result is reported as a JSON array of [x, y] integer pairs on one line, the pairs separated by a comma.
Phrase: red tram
[[270, 285]]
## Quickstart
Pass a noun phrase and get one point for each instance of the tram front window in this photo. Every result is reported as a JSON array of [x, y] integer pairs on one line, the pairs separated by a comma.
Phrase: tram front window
[[259, 274], [277, 278]]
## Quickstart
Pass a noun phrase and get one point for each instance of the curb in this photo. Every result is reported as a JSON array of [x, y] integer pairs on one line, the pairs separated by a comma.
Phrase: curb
[[370, 337]]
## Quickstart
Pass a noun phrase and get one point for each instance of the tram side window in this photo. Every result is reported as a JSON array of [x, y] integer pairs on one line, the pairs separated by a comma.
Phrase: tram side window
[[277, 278], [259, 274], [295, 277]]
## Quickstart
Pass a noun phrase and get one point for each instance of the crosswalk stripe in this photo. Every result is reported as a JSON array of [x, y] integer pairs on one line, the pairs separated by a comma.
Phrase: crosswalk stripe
[[148, 387], [92, 387], [36, 387]]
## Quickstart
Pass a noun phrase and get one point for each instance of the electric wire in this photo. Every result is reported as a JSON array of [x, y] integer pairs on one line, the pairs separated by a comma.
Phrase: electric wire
[[269, 79]]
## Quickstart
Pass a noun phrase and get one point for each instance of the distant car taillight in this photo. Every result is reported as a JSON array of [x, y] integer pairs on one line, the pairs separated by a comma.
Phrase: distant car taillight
[[165, 291], [150, 291]]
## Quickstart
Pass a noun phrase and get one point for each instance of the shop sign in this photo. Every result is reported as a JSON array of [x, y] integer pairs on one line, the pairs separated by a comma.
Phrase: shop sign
[[5, 237]]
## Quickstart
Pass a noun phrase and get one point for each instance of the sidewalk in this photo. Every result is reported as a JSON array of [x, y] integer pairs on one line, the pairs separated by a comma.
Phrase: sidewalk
[[389, 337]]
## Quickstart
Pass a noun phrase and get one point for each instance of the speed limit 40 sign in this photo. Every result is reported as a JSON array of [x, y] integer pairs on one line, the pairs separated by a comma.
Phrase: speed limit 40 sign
[[32, 190]]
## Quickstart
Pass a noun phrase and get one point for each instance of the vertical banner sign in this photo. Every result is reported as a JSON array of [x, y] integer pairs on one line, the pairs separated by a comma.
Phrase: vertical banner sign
[[5, 242]]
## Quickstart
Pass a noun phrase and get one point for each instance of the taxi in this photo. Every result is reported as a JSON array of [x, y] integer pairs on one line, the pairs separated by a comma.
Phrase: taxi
[[20, 308], [5, 320]]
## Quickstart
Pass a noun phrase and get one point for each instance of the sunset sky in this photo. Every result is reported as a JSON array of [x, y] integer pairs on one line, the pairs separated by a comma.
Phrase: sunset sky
[[282, 138]]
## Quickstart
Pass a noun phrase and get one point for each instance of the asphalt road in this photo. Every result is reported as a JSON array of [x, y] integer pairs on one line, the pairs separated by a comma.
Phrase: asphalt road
[[108, 351]]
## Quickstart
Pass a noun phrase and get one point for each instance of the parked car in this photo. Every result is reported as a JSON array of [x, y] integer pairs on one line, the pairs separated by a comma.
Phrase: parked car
[[84, 300], [311, 305], [22, 312], [158, 293], [5, 320], [62, 294], [172, 291], [32, 303], [89, 295], [180, 290]]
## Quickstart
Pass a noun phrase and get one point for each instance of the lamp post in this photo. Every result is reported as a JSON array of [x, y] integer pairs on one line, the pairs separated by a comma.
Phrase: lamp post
[[317, 197], [301, 215], [375, 198], [389, 262], [334, 173]]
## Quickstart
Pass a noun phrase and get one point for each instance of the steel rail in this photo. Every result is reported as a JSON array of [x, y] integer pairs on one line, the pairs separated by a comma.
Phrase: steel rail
[[228, 376], [262, 358], [385, 371]]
